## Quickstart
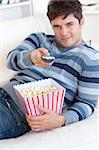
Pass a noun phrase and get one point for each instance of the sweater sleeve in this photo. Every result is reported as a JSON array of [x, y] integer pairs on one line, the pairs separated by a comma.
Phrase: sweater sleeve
[[87, 92], [19, 58]]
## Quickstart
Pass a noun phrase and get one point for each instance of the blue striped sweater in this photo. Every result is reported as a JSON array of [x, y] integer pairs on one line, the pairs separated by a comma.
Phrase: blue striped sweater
[[76, 68]]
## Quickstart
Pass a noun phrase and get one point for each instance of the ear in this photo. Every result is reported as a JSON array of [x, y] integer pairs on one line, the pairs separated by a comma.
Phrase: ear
[[82, 21]]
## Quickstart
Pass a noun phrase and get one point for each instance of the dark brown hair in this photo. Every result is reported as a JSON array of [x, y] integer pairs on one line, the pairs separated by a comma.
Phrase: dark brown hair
[[64, 8]]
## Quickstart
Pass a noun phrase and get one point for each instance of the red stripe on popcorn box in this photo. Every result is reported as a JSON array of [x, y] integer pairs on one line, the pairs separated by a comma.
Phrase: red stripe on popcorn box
[[62, 92], [56, 101], [52, 100], [28, 104]]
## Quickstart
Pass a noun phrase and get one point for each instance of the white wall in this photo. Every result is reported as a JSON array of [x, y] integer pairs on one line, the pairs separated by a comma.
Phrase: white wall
[[39, 6], [88, 1]]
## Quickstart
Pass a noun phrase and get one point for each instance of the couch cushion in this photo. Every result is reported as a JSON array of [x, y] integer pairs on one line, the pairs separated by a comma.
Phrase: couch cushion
[[13, 32]]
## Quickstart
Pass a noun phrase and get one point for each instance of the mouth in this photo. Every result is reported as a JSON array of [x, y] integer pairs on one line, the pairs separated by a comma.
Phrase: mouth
[[65, 38]]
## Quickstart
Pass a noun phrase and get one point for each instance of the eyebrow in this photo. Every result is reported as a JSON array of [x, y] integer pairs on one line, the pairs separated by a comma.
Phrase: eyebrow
[[64, 24]]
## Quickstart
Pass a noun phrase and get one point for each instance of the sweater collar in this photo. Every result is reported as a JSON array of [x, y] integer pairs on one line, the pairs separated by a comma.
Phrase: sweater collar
[[63, 49]]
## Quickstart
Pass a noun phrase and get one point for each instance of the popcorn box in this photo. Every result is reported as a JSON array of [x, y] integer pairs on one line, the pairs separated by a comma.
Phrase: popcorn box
[[50, 95]]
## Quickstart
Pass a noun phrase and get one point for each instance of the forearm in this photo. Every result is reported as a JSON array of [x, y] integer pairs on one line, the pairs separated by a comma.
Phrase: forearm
[[19, 60], [79, 110], [24, 56]]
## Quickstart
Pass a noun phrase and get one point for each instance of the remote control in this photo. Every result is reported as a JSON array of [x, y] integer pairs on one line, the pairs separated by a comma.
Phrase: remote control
[[48, 59]]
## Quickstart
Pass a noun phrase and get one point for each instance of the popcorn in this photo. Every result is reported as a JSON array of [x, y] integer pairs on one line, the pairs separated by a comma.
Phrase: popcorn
[[47, 93], [34, 91]]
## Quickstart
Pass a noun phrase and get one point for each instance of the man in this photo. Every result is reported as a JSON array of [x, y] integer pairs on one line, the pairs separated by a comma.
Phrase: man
[[76, 67]]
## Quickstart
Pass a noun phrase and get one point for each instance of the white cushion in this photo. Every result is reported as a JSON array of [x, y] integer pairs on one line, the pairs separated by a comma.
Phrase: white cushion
[[13, 32]]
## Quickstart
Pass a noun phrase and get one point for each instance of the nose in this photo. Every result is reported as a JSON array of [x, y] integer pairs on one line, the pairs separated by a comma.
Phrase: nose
[[64, 31]]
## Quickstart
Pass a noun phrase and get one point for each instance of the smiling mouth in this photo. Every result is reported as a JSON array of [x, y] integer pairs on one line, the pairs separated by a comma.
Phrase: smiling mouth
[[66, 38]]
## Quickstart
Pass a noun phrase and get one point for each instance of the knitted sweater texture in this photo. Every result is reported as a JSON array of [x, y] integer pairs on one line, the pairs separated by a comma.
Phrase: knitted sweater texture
[[76, 68]]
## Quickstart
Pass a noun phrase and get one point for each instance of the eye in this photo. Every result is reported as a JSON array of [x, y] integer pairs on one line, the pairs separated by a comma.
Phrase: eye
[[70, 24], [56, 27]]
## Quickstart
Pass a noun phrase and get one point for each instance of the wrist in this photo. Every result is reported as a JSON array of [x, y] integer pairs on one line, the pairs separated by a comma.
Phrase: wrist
[[62, 121], [32, 56]]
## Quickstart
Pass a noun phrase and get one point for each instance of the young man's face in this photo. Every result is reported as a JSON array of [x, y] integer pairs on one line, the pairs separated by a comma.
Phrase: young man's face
[[68, 30]]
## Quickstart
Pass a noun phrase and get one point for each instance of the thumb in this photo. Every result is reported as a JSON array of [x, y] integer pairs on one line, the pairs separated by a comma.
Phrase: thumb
[[44, 51], [44, 110]]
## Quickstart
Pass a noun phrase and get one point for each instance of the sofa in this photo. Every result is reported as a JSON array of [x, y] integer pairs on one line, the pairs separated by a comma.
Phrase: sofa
[[12, 33], [78, 136]]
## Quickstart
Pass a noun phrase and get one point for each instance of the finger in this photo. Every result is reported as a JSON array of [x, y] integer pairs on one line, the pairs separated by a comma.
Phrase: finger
[[44, 51], [38, 124], [36, 129], [33, 125], [34, 118], [43, 109], [28, 117]]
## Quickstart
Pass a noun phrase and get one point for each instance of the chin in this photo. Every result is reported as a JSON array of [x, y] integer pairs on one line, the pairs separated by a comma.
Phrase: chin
[[66, 45]]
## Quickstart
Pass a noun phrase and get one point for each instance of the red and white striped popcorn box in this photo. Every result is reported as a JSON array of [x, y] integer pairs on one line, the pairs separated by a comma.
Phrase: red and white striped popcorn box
[[51, 100]]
